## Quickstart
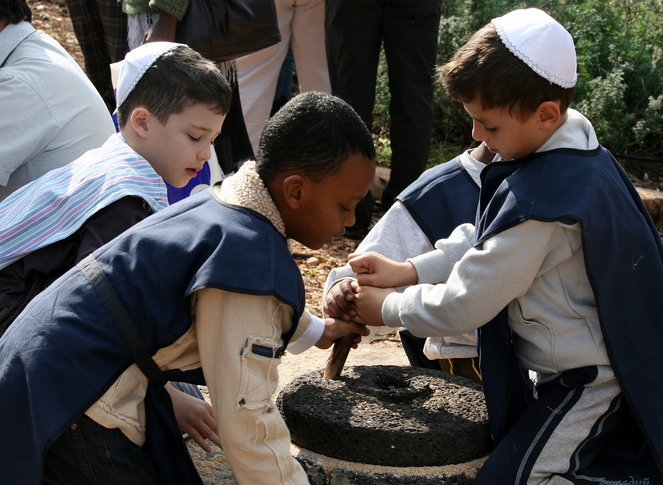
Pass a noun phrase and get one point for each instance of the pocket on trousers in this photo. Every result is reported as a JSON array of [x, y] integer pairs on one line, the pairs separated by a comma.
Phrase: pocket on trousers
[[259, 371]]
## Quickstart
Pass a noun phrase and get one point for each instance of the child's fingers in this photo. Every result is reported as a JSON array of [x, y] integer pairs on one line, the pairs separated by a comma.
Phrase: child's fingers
[[198, 438], [359, 329], [342, 311], [336, 303], [368, 279], [214, 438], [347, 290], [361, 264], [203, 432]]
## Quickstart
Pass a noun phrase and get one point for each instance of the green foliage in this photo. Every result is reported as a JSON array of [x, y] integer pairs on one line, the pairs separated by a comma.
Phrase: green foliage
[[443, 152], [383, 149], [382, 99], [648, 129], [619, 45]]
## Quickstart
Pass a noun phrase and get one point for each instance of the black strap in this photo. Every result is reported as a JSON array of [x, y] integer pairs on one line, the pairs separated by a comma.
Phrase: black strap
[[122, 320]]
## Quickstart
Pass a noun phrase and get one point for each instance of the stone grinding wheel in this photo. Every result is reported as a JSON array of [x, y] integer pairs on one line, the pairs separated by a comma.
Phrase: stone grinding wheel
[[388, 415]]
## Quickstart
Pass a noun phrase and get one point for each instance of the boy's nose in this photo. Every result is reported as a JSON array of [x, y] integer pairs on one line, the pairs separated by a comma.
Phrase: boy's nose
[[205, 154], [350, 219]]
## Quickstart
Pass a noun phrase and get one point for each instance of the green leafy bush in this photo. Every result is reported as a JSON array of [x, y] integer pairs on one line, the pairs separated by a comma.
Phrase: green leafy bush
[[619, 45]]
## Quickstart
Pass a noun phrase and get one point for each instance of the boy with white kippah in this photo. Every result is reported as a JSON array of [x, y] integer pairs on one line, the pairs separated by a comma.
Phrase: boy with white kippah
[[171, 104], [561, 273]]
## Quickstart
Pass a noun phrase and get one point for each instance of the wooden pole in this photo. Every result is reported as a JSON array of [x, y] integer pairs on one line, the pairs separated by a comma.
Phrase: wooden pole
[[339, 354]]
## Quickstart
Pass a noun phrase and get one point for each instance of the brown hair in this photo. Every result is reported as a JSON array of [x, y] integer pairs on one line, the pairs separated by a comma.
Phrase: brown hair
[[179, 78], [485, 68]]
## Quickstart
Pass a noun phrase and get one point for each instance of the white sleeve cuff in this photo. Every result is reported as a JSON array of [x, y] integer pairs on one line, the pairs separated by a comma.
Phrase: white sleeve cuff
[[309, 337]]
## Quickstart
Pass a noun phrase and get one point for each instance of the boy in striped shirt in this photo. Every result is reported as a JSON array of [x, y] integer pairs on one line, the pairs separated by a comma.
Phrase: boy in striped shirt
[[171, 103]]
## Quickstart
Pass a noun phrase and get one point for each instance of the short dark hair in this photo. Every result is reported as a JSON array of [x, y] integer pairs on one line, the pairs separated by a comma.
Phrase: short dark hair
[[485, 68], [176, 80], [314, 133], [14, 11]]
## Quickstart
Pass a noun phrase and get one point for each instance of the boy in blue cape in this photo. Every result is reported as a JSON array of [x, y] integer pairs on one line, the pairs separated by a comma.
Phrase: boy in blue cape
[[561, 273], [204, 288]]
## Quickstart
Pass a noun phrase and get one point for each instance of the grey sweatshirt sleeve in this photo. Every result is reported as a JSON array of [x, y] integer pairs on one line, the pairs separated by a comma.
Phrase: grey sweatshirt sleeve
[[436, 266], [484, 281]]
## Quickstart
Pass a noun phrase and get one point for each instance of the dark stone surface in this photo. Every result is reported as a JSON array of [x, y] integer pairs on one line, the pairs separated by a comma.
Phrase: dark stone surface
[[321, 472], [388, 415]]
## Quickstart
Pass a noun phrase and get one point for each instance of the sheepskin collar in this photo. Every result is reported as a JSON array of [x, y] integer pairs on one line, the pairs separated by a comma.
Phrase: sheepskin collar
[[246, 189]]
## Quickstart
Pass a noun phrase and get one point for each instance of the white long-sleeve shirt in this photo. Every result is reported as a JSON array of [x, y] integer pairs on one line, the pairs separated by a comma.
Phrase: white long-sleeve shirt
[[398, 236], [51, 112]]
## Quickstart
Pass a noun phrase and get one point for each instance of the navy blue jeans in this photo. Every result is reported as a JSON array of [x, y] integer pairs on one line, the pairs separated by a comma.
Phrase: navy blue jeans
[[89, 454]]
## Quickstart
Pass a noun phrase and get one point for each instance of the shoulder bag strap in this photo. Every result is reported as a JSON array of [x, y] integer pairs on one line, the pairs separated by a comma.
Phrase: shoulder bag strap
[[122, 320]]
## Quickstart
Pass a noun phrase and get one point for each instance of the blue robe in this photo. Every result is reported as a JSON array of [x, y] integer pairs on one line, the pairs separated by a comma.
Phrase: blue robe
[[624, 263], [445, 189], [64, 351]]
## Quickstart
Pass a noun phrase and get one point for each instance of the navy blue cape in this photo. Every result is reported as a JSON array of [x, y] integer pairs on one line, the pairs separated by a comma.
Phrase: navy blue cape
[[624, 263], [63, 351], [441, 199]]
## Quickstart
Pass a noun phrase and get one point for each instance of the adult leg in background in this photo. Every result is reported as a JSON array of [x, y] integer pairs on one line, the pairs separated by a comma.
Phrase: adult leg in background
[[301, 23], [410, 32], [353, 32], [100, 27]]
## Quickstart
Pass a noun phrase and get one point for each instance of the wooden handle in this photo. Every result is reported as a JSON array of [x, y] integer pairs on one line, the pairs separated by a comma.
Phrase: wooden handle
[[336, 359]]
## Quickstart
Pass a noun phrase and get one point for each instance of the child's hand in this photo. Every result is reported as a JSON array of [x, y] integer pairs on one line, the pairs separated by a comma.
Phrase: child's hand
[[339, 301], [195, 417], [374, 269], [369, 301], [335, 329]]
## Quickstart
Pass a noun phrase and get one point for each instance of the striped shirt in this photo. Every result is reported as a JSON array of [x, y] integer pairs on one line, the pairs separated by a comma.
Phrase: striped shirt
[[57, 204]]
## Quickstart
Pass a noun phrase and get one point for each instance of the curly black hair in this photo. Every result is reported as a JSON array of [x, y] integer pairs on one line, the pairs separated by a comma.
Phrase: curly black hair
[[315, 133]]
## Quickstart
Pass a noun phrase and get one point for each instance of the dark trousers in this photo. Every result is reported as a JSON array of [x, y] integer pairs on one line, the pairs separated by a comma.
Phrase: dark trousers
[[355, 30], [614, 450], [89, 454], [232, 146], [101, 30]]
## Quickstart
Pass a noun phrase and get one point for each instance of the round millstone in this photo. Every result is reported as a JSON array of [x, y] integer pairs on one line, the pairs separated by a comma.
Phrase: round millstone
[[323, 470], [388, 415]]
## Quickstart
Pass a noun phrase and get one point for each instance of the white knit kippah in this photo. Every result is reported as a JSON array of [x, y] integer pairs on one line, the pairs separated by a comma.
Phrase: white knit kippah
[[541, 42], [136, 63]]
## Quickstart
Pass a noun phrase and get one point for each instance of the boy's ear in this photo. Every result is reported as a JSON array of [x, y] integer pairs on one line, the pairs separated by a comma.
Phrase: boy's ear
[[549, 114], [293, 190], [140, 119]]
